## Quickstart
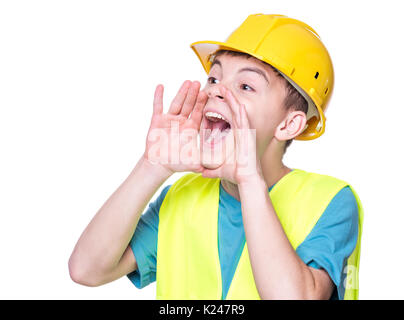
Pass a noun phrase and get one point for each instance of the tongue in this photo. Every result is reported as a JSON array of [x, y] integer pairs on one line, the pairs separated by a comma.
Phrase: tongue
[[221, 125], [214, 136]]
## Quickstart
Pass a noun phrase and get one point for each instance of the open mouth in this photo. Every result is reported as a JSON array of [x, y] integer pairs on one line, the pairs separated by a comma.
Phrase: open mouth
[[217, 127]]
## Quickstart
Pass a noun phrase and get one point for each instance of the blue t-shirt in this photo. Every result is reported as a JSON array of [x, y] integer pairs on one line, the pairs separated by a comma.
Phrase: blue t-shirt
[[328, 245]]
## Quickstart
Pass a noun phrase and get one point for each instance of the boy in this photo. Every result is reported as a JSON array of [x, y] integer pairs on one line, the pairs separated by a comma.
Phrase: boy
[[242, 225]]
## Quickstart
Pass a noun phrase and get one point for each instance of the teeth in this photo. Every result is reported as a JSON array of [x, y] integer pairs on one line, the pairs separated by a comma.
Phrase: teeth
[[214, 115]]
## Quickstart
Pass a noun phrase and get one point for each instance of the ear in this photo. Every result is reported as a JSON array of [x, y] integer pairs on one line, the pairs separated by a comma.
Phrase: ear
[[291, 126]]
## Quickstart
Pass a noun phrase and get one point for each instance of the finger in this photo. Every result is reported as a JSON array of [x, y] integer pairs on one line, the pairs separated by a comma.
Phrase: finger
[[158, 100], [243, 131], [179, 99], [190, 99], [233, 104], [247, 140], [211, 173], [197, 169], [244, 122], [197, 113]]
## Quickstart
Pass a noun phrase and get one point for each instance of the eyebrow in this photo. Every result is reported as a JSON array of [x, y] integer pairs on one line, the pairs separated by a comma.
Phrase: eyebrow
[[256, 70], [250, 69], [215, 62]]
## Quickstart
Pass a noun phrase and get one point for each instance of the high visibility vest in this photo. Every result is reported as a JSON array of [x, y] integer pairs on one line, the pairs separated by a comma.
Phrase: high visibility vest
[[188, 265]]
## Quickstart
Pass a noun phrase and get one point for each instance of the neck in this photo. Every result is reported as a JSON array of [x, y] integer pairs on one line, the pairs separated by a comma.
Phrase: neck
[[272, 167]]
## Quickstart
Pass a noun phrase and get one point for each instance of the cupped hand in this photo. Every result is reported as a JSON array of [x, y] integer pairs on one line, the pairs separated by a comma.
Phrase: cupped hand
[[172, 139]]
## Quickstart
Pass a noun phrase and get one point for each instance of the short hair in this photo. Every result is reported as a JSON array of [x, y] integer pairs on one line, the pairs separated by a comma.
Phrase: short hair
[[293, 100]]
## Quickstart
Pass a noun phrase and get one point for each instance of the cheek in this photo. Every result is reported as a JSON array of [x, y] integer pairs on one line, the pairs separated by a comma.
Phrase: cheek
[[264, 132], [264, 119]]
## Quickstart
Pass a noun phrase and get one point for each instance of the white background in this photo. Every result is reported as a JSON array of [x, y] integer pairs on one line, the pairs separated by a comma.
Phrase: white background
[[76, 87]]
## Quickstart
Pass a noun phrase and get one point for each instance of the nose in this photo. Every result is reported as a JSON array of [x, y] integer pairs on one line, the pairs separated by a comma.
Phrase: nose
[[214, 91]]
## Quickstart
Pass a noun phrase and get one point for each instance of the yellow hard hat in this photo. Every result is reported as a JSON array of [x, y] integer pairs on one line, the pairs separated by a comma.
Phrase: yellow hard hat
[[293, 48]]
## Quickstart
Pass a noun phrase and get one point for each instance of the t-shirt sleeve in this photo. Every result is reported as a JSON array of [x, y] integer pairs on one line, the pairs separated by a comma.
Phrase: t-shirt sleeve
[[333, 239], [144, 244]]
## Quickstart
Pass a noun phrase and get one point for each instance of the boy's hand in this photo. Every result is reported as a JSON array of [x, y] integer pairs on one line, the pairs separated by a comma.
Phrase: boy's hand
[[172, 140], [245, 165]]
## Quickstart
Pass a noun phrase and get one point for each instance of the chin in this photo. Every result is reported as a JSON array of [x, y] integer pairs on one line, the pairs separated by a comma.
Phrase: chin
[[210, 165], [212, 158]]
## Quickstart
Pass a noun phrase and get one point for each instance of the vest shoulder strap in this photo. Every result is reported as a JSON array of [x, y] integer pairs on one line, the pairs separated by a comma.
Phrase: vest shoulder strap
[[300, 198]]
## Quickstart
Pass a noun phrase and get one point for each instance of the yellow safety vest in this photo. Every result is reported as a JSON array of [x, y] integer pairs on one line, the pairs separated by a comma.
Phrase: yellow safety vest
[[188, 265]]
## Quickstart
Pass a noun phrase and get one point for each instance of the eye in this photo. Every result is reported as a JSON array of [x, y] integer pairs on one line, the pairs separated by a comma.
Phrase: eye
[[246, 87], [212, 80]]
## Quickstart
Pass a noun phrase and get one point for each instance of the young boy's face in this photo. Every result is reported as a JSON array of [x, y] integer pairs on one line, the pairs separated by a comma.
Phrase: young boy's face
[[255, 85]]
